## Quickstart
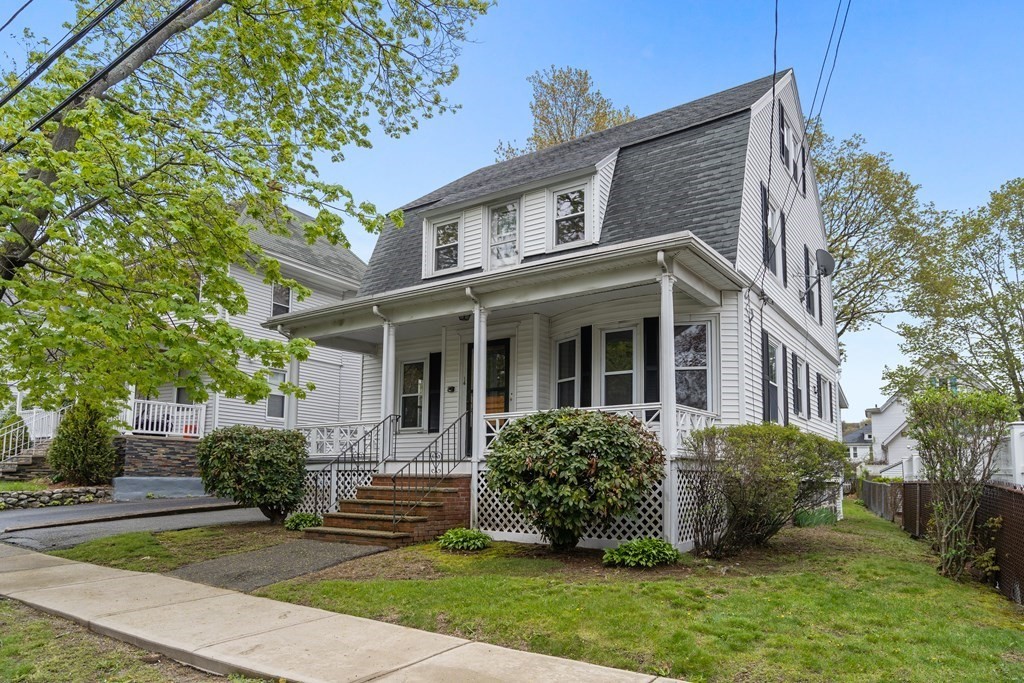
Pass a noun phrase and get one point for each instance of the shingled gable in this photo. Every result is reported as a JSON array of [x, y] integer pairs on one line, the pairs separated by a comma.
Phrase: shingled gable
[[679, 169]]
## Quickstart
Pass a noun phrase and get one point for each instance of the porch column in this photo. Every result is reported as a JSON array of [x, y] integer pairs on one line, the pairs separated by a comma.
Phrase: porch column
[[387, 372], [291, 401], [667, 381], [479, 429]]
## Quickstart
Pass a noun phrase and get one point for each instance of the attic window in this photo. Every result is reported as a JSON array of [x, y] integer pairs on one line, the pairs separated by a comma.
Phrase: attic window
[[570, 216], [446, 245]]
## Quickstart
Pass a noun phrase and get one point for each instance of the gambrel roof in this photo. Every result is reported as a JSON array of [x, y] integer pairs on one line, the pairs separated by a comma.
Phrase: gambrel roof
[[677, 170]]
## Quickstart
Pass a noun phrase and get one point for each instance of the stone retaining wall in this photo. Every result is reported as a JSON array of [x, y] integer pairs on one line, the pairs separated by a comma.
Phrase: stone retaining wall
[[54, 497], [157, 456]]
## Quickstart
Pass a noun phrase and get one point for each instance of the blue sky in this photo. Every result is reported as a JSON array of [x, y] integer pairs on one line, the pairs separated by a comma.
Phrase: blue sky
[[936, 84]]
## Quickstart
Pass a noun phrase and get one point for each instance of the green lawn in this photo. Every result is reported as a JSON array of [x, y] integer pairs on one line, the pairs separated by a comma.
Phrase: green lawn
[[856, 602], [31, 485], [147, 551]]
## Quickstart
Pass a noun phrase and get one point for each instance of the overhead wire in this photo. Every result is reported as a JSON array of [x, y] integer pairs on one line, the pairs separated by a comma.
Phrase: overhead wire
[[15, 15]]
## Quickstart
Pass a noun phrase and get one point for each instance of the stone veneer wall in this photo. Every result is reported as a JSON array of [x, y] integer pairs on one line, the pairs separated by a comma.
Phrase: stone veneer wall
[[54, 497], [157, 456]]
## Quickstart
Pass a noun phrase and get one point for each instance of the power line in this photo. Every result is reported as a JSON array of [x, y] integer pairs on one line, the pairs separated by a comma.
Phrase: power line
[[824, 60], [15, 15], [102, 73], [835, 56], [60, 50]]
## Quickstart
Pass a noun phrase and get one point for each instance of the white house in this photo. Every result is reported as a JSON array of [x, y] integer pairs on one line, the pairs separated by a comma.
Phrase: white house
[[889, 438], [664, 268], [858, 444]]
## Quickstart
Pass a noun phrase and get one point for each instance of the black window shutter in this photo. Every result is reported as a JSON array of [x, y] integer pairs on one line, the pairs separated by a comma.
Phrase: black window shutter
[[434, 393], [803, 170], [809, 295], [820, 302], [831, 405], [766, 410], [766, 239], [652, 393], [807, 388], [586, 364], [797, 398], [785, 387], [782, 240], [782, 134], [821, 398]]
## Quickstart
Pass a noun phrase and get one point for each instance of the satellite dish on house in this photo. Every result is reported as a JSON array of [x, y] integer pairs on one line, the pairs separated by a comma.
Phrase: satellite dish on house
[[826, 264]]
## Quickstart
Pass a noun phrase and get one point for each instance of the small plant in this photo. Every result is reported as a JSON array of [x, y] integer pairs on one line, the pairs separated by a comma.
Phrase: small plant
[[254, 467], [83, 449], [643, 552], [302, 520], [463, 539], [819, 517]]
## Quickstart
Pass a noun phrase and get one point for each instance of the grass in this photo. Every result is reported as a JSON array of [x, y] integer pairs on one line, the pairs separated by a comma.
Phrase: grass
[[147, 551], [858, 601], [31, 485], [37, 648]]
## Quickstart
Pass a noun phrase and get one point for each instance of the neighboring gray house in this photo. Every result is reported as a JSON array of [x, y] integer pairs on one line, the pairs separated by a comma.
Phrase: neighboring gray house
[[650, 269]]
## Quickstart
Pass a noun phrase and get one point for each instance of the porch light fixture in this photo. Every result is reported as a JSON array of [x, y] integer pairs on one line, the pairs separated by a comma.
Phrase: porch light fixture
[[465, 317]]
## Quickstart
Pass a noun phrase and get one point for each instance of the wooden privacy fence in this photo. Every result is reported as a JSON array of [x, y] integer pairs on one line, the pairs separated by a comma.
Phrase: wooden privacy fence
[[999, 500], [885, 500]]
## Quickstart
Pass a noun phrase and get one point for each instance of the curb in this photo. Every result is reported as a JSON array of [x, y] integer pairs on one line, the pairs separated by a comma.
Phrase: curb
[[207, 507]]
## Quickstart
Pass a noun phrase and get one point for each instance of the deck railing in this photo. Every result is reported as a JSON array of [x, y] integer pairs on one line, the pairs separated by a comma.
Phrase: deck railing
[[330, 440], [160, 418], [35, 426]]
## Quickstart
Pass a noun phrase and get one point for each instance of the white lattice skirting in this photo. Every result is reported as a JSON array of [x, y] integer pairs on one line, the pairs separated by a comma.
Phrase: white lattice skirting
[[323, 486]]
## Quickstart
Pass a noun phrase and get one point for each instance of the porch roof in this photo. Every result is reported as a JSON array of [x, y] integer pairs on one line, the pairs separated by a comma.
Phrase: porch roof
[[700, 272]]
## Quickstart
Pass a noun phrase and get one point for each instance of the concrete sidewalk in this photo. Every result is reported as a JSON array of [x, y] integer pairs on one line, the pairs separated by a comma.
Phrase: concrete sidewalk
[[227, 632]]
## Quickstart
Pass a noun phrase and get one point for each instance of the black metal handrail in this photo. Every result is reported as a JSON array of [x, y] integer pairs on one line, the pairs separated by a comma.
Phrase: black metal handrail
[[370, 450], [436, 462]]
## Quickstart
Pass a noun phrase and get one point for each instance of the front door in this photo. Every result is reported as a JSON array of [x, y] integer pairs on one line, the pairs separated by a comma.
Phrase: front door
[[496, 384]]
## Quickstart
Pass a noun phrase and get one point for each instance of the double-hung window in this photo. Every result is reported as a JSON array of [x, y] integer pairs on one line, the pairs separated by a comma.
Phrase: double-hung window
[[445, 242], [566, 383], [799, 382], [570, 216], [772, 370], [411, 399], [504, 235], [275, 401], [282, 300], [619, 367], [693, 366], [822, 387]]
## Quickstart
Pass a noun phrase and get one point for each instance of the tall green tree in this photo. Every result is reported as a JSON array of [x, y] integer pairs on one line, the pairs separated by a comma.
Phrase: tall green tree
[[871, 213], [565, 106], [120, 217], [966, 295]]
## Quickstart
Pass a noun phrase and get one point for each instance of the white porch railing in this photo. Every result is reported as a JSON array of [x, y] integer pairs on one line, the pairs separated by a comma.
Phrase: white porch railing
[[649, 414], [331, 439], [41, 424], [36, 425], [166, 419]]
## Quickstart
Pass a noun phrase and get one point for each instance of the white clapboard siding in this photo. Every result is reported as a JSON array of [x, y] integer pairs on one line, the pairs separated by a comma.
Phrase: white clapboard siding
[[535, 222], [603, 186], [473, 236]]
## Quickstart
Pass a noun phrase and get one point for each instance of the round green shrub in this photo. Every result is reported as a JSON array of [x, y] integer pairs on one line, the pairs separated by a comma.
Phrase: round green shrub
[[463, 539], [83, 452], [570, 470], [302, 520], [262, 468], [643, 552]]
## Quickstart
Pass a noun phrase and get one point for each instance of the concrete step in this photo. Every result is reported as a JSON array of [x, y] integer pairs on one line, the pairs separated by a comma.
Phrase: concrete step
[[389, 539], [355, 520]]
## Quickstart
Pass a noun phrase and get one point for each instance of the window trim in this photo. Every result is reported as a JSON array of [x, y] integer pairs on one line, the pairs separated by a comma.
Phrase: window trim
[[602, 362], [774, 343], [431, 247], [274, 391], [274, 304], [575, 339], [712, 354], [588, 218], [800, 388], [488, 213], [423, 394]]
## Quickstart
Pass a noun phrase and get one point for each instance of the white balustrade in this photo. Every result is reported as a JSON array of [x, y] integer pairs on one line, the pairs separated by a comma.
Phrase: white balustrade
[[333, 439], [166, 419], [690, 420], [649, 415]]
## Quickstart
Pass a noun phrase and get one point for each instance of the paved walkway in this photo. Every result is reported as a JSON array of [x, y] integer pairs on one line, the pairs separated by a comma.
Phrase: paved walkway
[[227, 632], [257, 568]]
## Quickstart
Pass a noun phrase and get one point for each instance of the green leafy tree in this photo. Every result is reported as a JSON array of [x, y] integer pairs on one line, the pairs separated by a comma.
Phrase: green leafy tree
[[119, 218], [871, 214], [83, 448], [957, 436], [967, 298], [565, 106], [569, 470]]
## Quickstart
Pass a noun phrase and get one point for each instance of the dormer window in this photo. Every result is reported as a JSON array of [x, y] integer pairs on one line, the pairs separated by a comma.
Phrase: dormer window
[[445, 240], [570, 216], [504, 235]]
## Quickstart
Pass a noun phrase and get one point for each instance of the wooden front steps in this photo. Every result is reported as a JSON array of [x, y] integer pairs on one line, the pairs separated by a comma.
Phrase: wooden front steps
[[421, 510]]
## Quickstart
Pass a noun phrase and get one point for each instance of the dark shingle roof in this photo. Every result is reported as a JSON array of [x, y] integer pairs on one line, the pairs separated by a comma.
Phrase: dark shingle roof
[[679, 169], [334, 259], [859, 435]]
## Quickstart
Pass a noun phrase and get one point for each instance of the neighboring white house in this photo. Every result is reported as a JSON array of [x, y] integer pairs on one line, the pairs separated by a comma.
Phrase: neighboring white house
[[657, 268], [891, 444], [858, 444]]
